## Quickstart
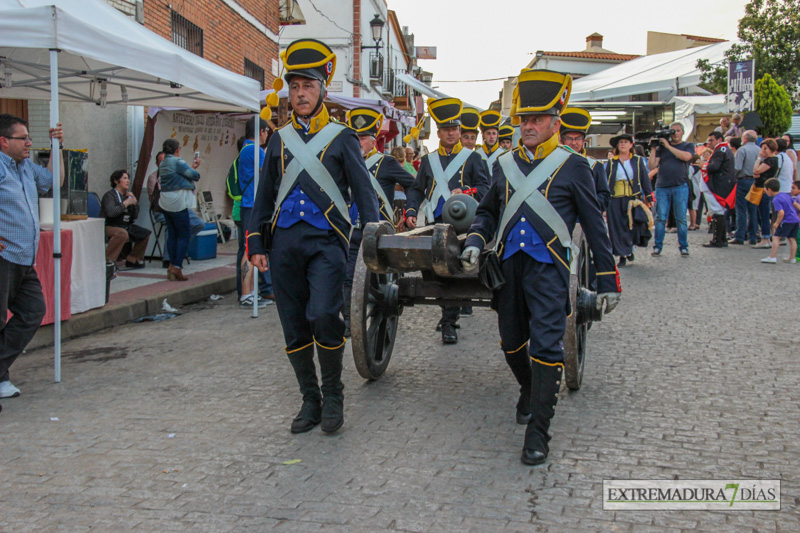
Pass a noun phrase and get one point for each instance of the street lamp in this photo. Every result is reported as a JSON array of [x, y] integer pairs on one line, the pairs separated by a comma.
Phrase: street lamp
[[376, 26]]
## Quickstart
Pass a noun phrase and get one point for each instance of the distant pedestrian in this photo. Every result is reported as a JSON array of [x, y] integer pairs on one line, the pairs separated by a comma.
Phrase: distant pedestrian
[[786, 223]]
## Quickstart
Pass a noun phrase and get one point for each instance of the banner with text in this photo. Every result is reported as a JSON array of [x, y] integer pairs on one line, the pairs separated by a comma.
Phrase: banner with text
[[741, 82]]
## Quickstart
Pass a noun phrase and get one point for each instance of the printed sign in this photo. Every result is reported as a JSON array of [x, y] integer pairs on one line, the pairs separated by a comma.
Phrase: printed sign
[[741, 82], [426, 52]]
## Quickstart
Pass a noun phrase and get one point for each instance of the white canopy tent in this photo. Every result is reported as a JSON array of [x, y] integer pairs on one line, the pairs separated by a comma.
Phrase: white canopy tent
[[87, 51], [688, 107], [667, 72]]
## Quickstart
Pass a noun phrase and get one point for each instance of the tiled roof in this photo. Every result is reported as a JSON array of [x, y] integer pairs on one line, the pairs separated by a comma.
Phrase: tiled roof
[[593, 55]]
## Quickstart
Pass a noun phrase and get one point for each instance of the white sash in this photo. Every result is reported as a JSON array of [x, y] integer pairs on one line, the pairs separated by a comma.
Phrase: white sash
[[492, 158], [305, 158], [371, 162], [526, 190], [441, 179]]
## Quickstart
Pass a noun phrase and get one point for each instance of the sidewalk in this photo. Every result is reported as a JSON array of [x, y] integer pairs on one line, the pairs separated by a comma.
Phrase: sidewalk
[[138, 293]]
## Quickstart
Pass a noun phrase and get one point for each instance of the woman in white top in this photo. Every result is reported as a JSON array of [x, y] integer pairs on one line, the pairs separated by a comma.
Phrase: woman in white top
[[628, 181], [786, 165]]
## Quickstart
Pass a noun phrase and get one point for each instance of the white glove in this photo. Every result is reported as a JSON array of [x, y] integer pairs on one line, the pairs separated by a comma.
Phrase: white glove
[[469, 258], [610, 298]]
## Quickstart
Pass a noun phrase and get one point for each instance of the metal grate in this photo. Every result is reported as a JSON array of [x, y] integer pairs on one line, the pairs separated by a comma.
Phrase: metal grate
[[187, 35], [251, 70]]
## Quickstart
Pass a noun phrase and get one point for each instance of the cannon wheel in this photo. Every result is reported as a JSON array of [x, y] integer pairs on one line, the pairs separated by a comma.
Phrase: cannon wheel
[[576, 333], [374, 314]]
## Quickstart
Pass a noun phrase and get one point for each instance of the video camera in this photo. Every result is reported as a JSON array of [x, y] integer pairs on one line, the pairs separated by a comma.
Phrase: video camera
[[661, 134]]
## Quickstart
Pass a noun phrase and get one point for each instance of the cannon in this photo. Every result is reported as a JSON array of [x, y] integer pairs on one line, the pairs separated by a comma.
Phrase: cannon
[[422, 267]]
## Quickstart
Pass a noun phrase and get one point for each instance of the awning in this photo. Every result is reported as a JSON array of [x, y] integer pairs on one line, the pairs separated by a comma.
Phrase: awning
[[686, 107]]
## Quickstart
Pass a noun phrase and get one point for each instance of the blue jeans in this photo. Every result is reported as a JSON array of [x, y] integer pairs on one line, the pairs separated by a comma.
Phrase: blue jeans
[[264, 278], [746, 213], [678, 198], [196, 225], [764, 216], [178, 235]]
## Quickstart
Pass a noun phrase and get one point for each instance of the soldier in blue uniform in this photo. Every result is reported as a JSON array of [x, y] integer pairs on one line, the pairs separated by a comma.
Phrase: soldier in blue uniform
[[385, 172], [538, 191], [575, 123], [505, 137], [470, 120], [490, 150], [449, 170], [300, 216]]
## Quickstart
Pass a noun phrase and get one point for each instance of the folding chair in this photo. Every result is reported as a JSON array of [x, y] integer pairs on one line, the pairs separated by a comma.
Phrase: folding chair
[[205, 204], [158, 229]]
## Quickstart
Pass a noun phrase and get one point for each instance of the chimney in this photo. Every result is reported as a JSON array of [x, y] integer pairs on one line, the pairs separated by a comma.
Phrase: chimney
[[595, 40]]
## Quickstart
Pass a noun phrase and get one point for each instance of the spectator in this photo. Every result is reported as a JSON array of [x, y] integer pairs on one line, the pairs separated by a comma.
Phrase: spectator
[[786, 222], [196, 223], [409, 164], [746, 212], [120, 208], [792, 153], [724, 125], [696, 176], [245, 163], [735, 142], [736, 129], [20, 289], [786, 171], [399, 153], [177, 198], [672, 190], [766, 168], [796, 204], [719, 189]]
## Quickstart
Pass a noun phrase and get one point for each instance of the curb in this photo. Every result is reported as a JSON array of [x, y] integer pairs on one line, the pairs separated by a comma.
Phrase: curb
[[117, 314]]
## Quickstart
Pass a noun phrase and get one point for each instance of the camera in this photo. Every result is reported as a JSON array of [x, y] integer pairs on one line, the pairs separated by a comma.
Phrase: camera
[[661, 134]]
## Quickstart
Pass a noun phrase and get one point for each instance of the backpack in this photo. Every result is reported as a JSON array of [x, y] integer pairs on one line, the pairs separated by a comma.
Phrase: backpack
[[232, 181]]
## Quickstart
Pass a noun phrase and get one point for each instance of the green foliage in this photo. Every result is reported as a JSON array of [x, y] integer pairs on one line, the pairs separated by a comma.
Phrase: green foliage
[[770, 34], [774, 107]]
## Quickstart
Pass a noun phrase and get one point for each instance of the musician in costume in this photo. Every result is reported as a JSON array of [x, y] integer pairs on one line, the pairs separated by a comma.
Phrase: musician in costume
[[385, 173], [575, 123], [628, 213], [312, 167], [506, 137], [538, 192], [490, 129], [451, 169], [470, 119]]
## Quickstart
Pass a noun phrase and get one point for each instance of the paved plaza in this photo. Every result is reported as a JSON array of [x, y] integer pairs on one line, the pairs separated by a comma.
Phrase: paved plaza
[[183, 425]]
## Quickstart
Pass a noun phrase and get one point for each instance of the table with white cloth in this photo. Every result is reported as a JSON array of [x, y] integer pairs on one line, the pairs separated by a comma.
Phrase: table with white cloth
[[88, 283]]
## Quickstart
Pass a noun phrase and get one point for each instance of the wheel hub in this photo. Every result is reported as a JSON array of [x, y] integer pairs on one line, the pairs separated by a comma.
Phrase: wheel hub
[[586, 306]]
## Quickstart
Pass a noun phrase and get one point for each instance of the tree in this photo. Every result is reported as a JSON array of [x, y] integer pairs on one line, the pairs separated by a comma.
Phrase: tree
[[769, 33], [774, 107]]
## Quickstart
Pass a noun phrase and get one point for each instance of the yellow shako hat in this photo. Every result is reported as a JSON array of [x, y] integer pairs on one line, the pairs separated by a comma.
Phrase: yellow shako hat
[[470, 119], [446, 111], [540, 92], [575, 119], [365, 121], [505, 132], [490, 119], [309, 58]]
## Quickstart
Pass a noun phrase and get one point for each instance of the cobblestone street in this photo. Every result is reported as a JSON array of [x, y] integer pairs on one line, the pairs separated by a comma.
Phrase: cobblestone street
[[183, 425]]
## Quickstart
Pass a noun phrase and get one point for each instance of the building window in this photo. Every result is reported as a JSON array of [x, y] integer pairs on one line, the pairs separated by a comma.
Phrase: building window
[[251, 70], [187, 35]]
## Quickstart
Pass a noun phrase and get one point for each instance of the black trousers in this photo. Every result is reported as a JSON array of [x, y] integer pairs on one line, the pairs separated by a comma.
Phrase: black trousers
[[531, 308], [308, 269], [20, 293], [352, 257]]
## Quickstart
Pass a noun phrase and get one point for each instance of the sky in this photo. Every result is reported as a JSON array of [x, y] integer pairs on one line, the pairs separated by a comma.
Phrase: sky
[[496, 39]]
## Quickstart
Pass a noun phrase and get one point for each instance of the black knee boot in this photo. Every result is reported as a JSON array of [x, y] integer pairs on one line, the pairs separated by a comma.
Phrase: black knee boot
[[330, 366], [712, 229], [520, 365], [303, 363], [722, 231], [546, 380]]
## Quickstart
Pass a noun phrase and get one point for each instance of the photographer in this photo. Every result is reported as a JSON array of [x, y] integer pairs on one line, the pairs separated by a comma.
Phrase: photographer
[[672, 158]]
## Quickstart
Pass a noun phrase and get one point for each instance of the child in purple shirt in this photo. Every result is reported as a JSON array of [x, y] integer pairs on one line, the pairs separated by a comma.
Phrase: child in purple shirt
[[786, 223], [796, 203]]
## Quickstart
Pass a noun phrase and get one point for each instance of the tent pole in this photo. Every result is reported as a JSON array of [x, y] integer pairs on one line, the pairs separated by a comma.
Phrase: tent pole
[[256, 162], [55, 157]]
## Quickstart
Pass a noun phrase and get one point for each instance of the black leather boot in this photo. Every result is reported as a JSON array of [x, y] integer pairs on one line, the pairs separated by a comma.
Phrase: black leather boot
[[303, 363], [713, 231], [520, 365], [330, 367], [722, 231], [546, 380]]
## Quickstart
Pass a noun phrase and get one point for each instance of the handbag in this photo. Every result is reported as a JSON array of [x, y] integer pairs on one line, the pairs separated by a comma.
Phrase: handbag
[[755, 194], [490, 273], [639, 216]]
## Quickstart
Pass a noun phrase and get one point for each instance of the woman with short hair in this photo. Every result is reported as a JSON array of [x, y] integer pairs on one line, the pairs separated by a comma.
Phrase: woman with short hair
[[120, 208]]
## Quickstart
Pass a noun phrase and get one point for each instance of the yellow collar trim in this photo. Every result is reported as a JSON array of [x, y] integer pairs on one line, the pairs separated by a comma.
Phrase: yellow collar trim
[[374, 151], [457, 148], [489, 150], [542, 151], [316, 123]]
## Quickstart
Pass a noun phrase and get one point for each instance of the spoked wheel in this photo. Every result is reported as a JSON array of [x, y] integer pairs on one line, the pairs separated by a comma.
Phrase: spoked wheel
[[374, 313], [582, 301]]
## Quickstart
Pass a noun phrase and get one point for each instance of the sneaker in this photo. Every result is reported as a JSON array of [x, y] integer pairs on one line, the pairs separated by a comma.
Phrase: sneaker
[[136, 265], [266, 299], [684, 252], [735, 241], [770, 260], [790, 260], [8, 390], [656, 252], [763, 245], [248, 302]]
